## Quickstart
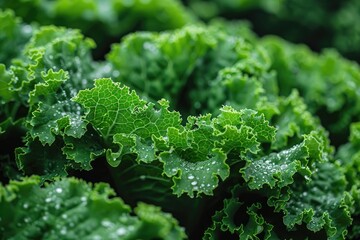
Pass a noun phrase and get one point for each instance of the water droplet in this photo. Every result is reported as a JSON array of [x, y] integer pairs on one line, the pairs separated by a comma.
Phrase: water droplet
[[121, 231], [194, 183], [27, 29], [107, 68], [96, 237], [142, 177], [191, 177], [48, 200], [107, 224], [63, 231], [26, 205], [58, 190], [116, 73]]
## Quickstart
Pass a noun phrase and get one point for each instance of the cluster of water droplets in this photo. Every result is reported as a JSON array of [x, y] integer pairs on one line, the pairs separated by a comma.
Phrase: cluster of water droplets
[[197, 177]]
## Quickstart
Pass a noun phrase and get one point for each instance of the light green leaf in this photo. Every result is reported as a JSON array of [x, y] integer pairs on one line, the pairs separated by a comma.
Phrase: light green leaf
[[292, 121], [13, 35], [278, 169], [52, 111], [118, 114], [195, 176]]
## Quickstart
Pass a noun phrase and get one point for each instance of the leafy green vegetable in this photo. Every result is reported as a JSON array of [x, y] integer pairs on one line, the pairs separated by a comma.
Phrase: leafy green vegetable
[[72, 209], [104, 21], [319, 24], [205, 131], [13, 36]]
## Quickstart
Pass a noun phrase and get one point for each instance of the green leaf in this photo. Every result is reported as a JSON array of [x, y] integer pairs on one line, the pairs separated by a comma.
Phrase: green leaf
[[278, 169], [321, 202], [84, 150], [48, 162], [326, 81], [54, 112], [198, 176], [159, 65], [292, 121], [261, 127], [118, 114], [5, 92], [8, 104], [225, 220], [349, 158], [72, 209], [13, 36], [155, 223]]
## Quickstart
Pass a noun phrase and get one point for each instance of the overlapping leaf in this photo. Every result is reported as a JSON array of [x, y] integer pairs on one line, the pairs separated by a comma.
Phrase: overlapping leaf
[[327, 82], [159, 65], [118, 114], [278, 169], [13, 36], [224, 222], [72, 209], [129, 125], [111, 18], [268, 147], [349, 157], [321, 203]]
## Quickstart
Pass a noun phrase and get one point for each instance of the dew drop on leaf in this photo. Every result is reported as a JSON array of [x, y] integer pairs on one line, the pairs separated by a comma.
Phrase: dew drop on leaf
[[63, 231], [106, 223], [120, 231]]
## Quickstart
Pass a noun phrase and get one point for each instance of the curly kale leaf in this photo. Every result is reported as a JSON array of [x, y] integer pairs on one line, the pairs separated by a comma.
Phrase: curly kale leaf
[[13, 36], [129, 125], [72, 209]]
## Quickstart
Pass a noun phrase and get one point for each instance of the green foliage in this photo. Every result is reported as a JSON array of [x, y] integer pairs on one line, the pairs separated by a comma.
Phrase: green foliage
[[320, 24], [326, 82], [103, 20], [234, 136], [72, 209], [13, 36]]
